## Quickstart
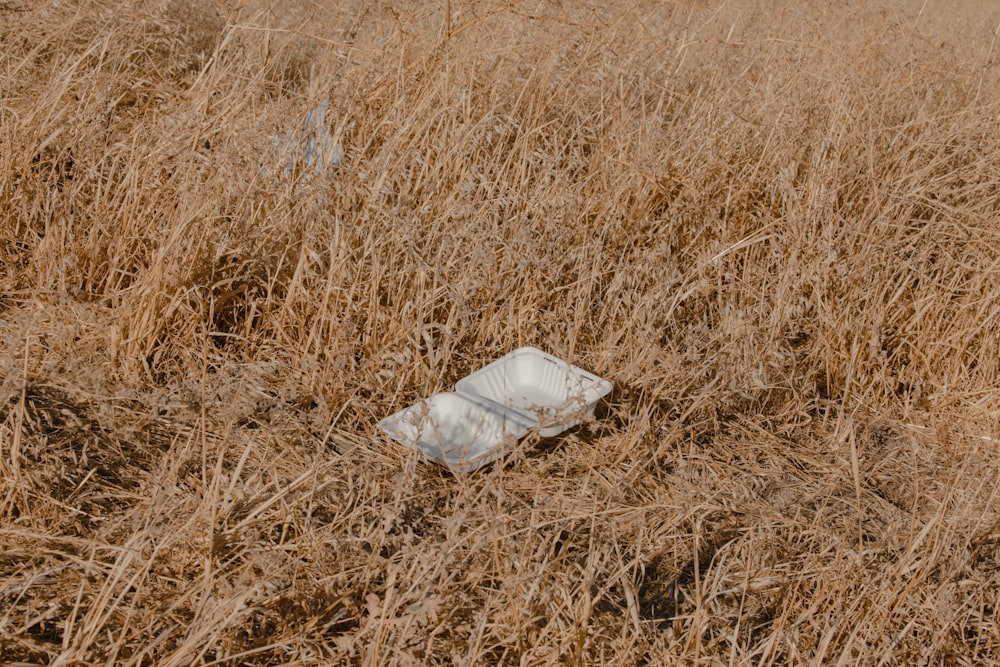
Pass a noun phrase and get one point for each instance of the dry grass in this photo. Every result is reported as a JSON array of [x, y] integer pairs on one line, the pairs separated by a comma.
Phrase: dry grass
[[776, 229]]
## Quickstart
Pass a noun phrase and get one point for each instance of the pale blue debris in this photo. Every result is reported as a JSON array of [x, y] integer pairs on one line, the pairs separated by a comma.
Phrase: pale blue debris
[[310, 147]]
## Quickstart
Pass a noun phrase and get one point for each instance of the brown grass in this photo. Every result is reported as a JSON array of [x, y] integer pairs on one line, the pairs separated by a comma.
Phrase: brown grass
[[776, 229]]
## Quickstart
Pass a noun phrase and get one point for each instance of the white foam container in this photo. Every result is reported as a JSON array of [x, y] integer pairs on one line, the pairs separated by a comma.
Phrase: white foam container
[[461, 432], [546, 391]]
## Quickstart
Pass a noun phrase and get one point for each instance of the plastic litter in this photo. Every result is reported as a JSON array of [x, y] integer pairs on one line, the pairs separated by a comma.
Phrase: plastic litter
[[458, 431], [553, 394], [495, 406], [309, 147]]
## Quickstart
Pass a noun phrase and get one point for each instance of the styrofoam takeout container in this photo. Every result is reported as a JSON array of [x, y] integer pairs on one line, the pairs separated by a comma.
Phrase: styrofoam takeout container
[[548, 392], [461, 432]]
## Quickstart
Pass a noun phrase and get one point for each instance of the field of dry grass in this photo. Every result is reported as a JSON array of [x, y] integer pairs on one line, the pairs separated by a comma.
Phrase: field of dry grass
[[774, 226]]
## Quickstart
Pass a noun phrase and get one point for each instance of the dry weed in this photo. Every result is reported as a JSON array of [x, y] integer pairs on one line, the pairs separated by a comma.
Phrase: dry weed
[[773, 227]]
